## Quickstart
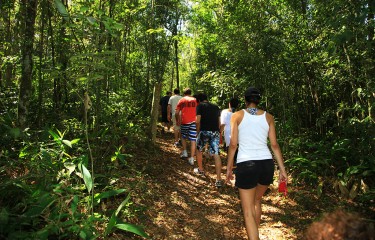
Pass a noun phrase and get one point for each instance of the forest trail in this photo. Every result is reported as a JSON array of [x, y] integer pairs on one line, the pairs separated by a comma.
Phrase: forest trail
[[182, 205]]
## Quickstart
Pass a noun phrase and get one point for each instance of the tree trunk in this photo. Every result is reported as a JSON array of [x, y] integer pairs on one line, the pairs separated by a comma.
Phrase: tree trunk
[[41, 79], [172, 79], [6, 78], [304, 7], [176, 62], [60, 91], [175, 32], [155, 110], [370, 83], [26, 61]]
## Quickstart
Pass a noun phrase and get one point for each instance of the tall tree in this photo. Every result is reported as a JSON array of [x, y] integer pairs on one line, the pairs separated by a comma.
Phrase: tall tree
[[28, 9], [7, 49], [159, 55]]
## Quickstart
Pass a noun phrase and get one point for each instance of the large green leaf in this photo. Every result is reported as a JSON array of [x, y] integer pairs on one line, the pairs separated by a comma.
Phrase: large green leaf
[[86, 176], [113, 220], [62, 10], [108, 194], [54, 135], [67, 143], [132, 228], [70, 166], [92, 20], [122, 204]]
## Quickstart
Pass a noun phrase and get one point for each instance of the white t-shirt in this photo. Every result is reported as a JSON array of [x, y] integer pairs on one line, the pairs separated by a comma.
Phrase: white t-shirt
[[173, 102], [225, 119]]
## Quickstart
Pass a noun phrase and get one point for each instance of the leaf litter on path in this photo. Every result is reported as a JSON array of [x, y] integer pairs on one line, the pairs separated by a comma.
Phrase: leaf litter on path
[[183, 205]]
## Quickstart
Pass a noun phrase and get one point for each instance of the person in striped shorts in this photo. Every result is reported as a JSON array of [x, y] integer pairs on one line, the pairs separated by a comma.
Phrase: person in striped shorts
[[185, 118]]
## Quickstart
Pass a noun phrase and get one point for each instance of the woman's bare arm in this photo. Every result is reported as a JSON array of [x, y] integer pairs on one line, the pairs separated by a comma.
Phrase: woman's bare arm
[[276, 148], [234, 122]]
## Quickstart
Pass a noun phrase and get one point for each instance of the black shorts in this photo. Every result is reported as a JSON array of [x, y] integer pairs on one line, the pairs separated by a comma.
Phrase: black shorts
[[253, 172]]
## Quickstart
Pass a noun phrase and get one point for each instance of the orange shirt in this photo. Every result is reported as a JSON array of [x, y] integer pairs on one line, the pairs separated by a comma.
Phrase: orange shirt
[[187, 105]]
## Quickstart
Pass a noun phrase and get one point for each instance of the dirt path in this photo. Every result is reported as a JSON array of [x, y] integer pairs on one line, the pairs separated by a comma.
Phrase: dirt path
[[183, 205]]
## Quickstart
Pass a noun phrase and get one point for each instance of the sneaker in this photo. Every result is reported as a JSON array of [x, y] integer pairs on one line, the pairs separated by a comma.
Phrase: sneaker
[[191, 161], [184, 154], [199, 172], [218, 183]]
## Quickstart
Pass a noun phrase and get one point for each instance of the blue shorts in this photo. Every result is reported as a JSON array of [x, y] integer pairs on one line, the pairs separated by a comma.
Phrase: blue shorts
[[189, 131], [210, 137], [253, 172]]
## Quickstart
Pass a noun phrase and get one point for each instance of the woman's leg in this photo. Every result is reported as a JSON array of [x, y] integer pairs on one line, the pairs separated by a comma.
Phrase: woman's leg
[[259, 192], [247, 197]]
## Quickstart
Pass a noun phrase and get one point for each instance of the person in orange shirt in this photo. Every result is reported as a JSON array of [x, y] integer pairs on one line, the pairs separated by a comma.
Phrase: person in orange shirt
[[172, 104], [185, 117]]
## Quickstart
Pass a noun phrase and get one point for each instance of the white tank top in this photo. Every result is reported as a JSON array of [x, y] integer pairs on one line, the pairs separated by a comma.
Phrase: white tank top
[[252, 138]]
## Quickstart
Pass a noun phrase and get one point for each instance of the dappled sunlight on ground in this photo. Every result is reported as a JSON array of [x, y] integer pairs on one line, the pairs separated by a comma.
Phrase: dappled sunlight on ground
[[184, 205], [179, 204]]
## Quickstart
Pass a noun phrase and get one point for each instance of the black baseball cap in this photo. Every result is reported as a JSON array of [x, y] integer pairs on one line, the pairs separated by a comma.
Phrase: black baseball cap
[[252, 92]]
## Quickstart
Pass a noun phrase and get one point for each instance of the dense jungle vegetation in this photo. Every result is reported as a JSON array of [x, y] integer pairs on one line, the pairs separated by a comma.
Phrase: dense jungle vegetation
[[80, 83]]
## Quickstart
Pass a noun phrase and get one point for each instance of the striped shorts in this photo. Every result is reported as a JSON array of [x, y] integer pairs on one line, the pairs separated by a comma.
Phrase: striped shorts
[[189, 131]]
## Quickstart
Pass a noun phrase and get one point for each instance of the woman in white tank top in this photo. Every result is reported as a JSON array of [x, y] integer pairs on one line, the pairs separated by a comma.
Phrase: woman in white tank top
[[250, 129]]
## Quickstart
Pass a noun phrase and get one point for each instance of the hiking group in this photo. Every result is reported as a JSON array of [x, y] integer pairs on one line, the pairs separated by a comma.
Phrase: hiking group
[[246, 134]]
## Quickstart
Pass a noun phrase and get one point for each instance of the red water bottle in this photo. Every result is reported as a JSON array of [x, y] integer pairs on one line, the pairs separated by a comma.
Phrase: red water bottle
[[283, 188]]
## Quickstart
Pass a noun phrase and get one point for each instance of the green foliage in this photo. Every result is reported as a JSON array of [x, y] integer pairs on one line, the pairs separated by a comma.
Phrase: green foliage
[[221, 85], [313, 65], [54, 197], [347, 157], [309, 162]]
